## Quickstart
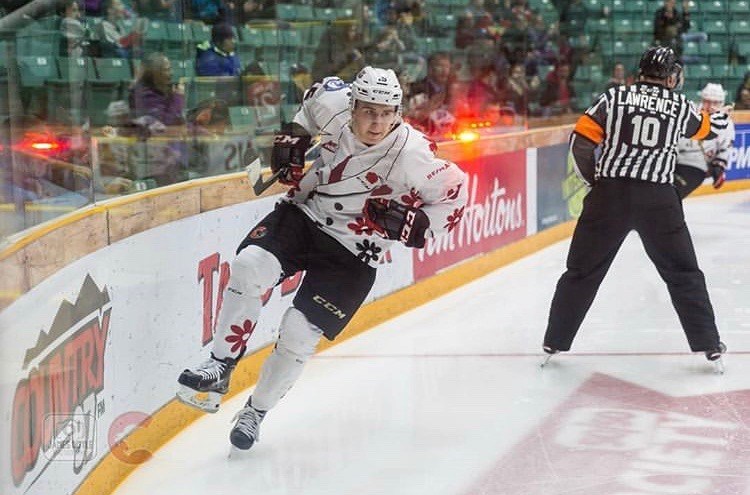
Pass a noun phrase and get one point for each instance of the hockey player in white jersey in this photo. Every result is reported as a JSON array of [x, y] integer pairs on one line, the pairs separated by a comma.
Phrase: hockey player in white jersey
[[697, 160], [376, 182]]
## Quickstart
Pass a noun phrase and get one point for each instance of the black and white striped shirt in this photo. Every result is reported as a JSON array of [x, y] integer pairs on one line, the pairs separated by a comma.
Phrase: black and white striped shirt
[[638, 127]]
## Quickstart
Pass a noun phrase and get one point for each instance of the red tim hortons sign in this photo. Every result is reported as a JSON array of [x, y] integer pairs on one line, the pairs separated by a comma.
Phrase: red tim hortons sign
[[58, 401], [616, 438], [495, 214]]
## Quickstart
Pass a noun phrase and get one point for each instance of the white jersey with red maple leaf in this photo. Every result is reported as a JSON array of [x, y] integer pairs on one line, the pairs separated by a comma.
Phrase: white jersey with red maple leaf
[[402, 167]]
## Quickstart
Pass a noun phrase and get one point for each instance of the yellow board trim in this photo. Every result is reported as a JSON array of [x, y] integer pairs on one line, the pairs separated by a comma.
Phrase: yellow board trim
[[35, 233], [175, 417], [730, 186]]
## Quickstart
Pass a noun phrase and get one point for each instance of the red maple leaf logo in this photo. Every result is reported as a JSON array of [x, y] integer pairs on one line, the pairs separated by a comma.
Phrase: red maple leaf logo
[[360, 227], [412, 199], [454, 218], [240, 335]]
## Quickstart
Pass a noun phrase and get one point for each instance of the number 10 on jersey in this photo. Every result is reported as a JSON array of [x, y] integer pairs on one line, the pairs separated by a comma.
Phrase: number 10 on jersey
[[645, 131]]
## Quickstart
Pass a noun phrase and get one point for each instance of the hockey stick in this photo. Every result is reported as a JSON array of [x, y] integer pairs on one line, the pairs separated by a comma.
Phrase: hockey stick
[[256, 177]]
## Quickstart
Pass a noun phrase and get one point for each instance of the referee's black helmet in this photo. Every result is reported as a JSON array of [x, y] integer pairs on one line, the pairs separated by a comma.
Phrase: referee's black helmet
[[658, 62]]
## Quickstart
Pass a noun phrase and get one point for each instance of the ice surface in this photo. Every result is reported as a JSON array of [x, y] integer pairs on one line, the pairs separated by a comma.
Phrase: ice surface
[[450, 399]]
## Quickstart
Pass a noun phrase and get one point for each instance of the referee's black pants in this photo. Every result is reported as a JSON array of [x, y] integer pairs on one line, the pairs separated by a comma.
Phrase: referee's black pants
[[611, 210]]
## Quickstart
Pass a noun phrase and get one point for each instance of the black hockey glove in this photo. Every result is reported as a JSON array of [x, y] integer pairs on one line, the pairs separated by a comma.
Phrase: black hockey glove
[[288, 154], [717, 170], [393, 220]]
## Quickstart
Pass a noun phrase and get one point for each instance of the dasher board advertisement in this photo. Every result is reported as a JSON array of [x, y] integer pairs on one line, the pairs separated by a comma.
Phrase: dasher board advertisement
[[97, 347]]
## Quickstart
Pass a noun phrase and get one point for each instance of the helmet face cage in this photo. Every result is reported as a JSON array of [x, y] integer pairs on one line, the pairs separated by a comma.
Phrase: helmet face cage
[[379, 86]]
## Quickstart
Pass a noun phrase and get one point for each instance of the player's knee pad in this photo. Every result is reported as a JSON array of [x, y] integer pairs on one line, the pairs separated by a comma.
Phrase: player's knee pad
[[253, 271], [297, 336]]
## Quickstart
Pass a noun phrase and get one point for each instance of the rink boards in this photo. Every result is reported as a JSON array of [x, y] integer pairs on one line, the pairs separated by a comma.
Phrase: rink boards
[[94, 350]]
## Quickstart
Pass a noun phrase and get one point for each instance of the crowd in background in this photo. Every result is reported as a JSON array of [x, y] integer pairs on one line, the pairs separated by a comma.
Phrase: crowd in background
[[497, 67], [504, 62]]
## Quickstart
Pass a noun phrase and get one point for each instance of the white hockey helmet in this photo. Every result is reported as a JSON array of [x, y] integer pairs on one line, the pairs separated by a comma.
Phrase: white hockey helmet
[[714, 92], [713, 96], [376, 85]]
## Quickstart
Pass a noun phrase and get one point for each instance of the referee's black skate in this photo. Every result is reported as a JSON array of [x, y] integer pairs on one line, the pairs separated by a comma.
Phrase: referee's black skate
[[550, 351], [203, 387], [715, 356], [246, 430]]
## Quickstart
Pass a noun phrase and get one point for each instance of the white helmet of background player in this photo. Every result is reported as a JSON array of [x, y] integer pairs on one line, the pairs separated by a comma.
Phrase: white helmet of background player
[[713, 97], [380, 86]]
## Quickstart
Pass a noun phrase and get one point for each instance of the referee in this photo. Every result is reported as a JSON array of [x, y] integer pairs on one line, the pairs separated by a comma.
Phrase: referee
[[638, 127]]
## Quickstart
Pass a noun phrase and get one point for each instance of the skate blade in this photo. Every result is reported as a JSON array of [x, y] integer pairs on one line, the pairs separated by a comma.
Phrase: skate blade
[[546, 360], [205, 401], [719, 366], [236, 453]]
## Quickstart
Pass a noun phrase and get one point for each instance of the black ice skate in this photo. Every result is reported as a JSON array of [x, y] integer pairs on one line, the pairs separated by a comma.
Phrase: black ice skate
[[246, 430], [714, 355], [203, 387], [550, 351]]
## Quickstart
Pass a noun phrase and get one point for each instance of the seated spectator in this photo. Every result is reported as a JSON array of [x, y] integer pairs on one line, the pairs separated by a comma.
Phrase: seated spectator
[[502, 10], [484, 26], [118, 118], [670, 24], [94, 7], [516, 91], [157, 107], [465, 32], [339, 53], [209, 11], [217, 57], [249, 10], [115, 174], [539, 33], [209, 118], [114, 41], [153, 95], [408, 36], [73, 42], [558, 96], [477, 8], [744, 85], [743, 99], [573, 16], [414, 7], [164, 10], [485, 51], [387, 49], [618, 77], [434, 92], [483, 97], [301, 81]]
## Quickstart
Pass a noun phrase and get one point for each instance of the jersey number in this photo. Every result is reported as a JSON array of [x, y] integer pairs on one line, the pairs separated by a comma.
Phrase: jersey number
[[645, 131]]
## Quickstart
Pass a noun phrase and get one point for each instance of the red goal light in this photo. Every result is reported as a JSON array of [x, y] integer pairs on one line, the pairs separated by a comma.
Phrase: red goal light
[[41, 143], [467, 136]]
